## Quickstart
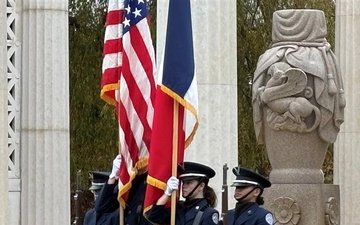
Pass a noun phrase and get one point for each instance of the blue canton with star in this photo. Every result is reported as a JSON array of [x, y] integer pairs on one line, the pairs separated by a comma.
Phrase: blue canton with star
[[135, 10]]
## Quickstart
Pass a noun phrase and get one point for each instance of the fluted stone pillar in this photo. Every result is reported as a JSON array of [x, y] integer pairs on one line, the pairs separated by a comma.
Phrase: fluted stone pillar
[[347, 152], [45, 190], [214, 35], [4, 155]]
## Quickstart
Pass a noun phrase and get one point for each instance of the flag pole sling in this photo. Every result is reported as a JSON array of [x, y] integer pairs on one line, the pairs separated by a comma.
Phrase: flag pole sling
[[174, 157]]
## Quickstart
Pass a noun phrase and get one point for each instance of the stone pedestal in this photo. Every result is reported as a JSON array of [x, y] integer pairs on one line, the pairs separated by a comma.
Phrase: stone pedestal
[[298, 105], [304, 204], [215, 142], [283, 150]]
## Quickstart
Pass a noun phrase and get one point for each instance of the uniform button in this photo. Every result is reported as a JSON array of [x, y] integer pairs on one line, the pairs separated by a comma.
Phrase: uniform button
[[129, 212]]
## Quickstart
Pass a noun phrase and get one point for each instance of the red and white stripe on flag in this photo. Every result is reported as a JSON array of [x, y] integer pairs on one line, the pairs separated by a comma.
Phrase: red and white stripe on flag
[[112, 51], [130, 57]]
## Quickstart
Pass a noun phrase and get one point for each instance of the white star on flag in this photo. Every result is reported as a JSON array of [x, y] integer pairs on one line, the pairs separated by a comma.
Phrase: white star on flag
[[126, 22], [137, 12], [128, 9]]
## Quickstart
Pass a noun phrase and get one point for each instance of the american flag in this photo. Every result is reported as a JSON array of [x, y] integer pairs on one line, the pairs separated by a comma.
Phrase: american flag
[[128, 82], [179, 85]]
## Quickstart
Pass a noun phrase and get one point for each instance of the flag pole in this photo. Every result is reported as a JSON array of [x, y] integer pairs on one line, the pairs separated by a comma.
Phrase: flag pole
[[121, 215], [174, 158], [121, 208]]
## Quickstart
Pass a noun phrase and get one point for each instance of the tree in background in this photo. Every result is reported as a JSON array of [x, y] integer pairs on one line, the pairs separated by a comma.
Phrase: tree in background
[[254, 24], [93, 126]]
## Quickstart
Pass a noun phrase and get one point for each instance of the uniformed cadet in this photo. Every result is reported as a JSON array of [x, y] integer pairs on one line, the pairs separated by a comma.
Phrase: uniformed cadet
[[107, 206], [249, 186], [107, 203], [197, 209], [98, 179]]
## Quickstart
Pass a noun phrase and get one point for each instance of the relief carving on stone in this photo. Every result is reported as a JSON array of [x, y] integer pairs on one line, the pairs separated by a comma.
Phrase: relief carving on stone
[[286, 98], [286, 211], [332, 212], [297, 85]]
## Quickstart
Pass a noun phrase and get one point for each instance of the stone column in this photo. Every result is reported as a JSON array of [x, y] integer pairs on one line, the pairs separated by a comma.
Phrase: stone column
[[4, 155], [214, 35], [45, 189], [347, 152]]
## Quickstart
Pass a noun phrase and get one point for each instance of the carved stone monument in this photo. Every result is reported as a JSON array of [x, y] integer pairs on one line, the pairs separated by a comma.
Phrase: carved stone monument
[[298, 104]]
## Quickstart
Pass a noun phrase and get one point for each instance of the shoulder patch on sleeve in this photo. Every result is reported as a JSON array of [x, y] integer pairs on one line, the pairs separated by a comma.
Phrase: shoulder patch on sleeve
[[269, 219], [215, 218]]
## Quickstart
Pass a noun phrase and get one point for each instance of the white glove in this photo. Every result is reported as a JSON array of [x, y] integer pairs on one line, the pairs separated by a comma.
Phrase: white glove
[[115, 168], [171, 185]]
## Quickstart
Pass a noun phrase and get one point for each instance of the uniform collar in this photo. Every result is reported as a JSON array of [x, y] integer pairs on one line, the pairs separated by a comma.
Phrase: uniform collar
[[193, 202]]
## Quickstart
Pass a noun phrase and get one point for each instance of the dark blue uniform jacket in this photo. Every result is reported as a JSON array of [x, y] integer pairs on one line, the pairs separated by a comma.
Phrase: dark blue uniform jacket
[[106, 204], [251, 214], [90, 217], [108, 210], [185, 213]]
